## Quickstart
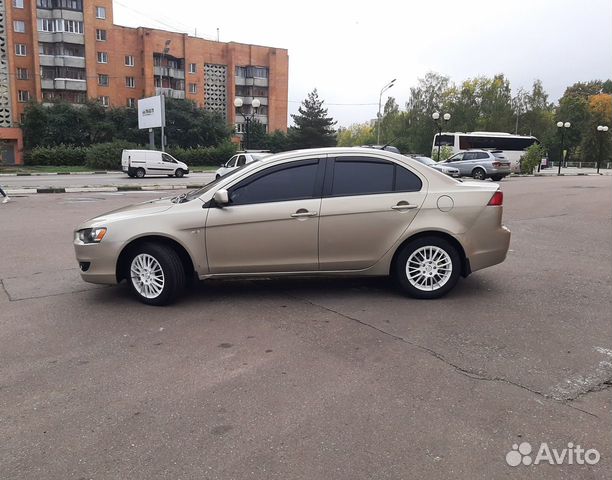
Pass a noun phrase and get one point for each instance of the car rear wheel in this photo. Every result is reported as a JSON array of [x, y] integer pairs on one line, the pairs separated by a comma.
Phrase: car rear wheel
[[479, 174], [497, 178], [140, 173], [179, 173], [428, 267], [156, 274]]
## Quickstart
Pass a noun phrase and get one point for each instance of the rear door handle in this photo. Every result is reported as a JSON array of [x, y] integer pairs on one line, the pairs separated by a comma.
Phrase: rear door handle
[[304, 213], [404, 206]]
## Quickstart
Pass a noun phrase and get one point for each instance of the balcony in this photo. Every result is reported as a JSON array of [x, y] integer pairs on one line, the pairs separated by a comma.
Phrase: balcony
[[249, 100], [64, 37], [62, 61], [60, 13], [250, 81], [169, 72], [169, 92], [64, 84]]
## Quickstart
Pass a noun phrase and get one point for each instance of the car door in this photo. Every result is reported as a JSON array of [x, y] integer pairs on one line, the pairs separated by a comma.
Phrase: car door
[[454, 160], [168, 164], [368, 203], [271, 223]]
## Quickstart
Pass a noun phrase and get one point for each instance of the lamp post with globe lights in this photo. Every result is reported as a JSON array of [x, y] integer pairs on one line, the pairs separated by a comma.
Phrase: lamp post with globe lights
[[238, 103], [602, 129], [562, 126], [436, 118]]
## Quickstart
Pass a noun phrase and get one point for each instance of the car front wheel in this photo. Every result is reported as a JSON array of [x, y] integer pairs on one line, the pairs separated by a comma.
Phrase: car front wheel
[[479, 174], [179, 173], [155, 274], [428, 267]]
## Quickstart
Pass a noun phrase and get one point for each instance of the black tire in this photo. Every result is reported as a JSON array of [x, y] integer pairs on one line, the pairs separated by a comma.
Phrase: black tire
[[497, 178], [401, 276], [171, 267], [140, 173], [217, 177], [479, 174], [179, 173]]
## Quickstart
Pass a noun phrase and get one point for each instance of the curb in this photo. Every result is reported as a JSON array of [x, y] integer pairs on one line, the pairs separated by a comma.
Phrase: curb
[[45, 174], [120, 188]]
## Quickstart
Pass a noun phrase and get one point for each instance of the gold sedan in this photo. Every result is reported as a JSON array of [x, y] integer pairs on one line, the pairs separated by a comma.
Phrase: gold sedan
[[331, 211]]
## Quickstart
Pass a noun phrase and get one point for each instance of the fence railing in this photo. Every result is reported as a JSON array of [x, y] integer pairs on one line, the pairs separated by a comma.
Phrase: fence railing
[[604, 165]]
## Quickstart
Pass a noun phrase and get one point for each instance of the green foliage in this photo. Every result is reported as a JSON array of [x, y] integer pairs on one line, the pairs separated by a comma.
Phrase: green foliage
[[313, 128], [445, 153], [107, 156], [204, 156], [532, 158], [56, 155], [257, 135], [357, 134], [91, 123]]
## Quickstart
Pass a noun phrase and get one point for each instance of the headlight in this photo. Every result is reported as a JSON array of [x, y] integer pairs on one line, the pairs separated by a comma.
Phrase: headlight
[[91, 235]]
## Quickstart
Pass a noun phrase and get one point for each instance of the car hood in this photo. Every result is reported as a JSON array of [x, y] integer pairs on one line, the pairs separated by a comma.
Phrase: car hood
[[150, 207]]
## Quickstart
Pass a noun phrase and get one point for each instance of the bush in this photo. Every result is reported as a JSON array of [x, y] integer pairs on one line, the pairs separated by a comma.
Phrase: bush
[[445, 153], [107, 156], [204, 156], [56, 156], [532, 158]]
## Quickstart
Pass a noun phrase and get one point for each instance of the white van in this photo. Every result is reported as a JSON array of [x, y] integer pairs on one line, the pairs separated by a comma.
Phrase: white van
[[138, 163]]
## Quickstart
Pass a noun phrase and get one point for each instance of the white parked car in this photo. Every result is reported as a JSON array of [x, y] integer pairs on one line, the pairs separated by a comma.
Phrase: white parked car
[[240, 159], [138, 163], [452, 171]]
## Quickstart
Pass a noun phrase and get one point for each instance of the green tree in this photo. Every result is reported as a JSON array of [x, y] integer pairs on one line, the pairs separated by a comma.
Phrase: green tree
[[190, 126], [596, 145], [356, 134], [313, 128]]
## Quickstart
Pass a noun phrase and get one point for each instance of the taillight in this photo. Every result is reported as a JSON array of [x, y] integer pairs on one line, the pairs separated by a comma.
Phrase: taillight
[[497, 200], [497, 164]]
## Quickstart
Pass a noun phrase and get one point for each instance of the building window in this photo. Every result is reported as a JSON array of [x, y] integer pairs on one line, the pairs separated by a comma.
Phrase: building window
[[131, 103], [103, 80], [20, 50], [19, 26], [101, 13], [129, 61], [104, 100], [193, 88], [22, 73], [129, 82], [102, 57], [18, 3], [23, 96], [63, 4], [100, 35], [192, 68], [59, 25]]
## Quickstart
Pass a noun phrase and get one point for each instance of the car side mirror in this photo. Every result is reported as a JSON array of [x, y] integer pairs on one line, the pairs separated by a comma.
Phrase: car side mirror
[[221, 197]]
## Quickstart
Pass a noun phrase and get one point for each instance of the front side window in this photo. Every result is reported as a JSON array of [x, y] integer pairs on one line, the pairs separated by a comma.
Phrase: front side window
[[363, 176], [456, 158], [296, 181], [167, 158], [241, 161]]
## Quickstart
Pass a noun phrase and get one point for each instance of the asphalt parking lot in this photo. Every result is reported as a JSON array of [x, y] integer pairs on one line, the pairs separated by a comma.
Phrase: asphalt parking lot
[[309, 379]]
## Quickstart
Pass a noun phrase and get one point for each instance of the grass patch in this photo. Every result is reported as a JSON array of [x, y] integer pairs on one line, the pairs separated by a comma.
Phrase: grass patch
[[43, 169]]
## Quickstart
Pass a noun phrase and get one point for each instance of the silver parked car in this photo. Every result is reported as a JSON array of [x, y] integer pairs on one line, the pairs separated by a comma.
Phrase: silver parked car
[[446, 169], [480, 164], [328, 211]]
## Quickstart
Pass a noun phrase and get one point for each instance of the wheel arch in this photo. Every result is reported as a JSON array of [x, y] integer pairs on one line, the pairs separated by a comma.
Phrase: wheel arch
[[465, 262], [124, 256]]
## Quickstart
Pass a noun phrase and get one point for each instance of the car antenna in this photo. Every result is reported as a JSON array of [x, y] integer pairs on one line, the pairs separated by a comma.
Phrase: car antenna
[[387, 144]]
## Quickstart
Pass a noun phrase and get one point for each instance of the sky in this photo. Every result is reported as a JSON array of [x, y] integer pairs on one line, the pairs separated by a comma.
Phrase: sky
[[349, 50]]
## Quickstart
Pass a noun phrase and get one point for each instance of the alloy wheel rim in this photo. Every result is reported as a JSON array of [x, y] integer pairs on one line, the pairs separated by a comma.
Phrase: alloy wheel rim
[[429, 268], [147, 276]]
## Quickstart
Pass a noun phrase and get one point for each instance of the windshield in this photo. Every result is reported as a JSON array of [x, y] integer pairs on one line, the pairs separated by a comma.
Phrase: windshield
[[186, 197]]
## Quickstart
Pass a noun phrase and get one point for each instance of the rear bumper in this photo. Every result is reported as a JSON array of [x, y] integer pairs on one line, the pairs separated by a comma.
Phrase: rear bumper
[[491, 249]]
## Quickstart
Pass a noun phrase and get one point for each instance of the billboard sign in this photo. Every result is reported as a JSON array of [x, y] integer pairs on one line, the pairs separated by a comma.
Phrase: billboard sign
[[151, 112]]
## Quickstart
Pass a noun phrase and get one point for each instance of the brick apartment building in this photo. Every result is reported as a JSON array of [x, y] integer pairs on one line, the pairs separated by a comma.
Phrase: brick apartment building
[[71, 50]]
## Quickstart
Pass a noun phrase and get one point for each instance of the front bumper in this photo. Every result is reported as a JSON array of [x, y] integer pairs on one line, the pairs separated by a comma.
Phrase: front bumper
[[97, 261]]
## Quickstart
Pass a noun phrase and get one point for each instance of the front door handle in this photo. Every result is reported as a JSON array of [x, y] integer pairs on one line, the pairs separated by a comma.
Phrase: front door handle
[[404, 206], [301, 213]]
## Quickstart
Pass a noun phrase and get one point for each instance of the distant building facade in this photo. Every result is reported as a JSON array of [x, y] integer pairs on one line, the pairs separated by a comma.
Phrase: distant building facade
[[71, 50]]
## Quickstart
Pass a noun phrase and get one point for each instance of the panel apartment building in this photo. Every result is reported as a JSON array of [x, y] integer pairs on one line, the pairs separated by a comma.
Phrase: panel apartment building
[[71, 50]]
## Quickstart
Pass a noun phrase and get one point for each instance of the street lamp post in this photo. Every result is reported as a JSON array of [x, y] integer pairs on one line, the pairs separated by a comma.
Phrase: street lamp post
[[247, 118], [602, 129], [562, 126], [436, 118], [382, 90]]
